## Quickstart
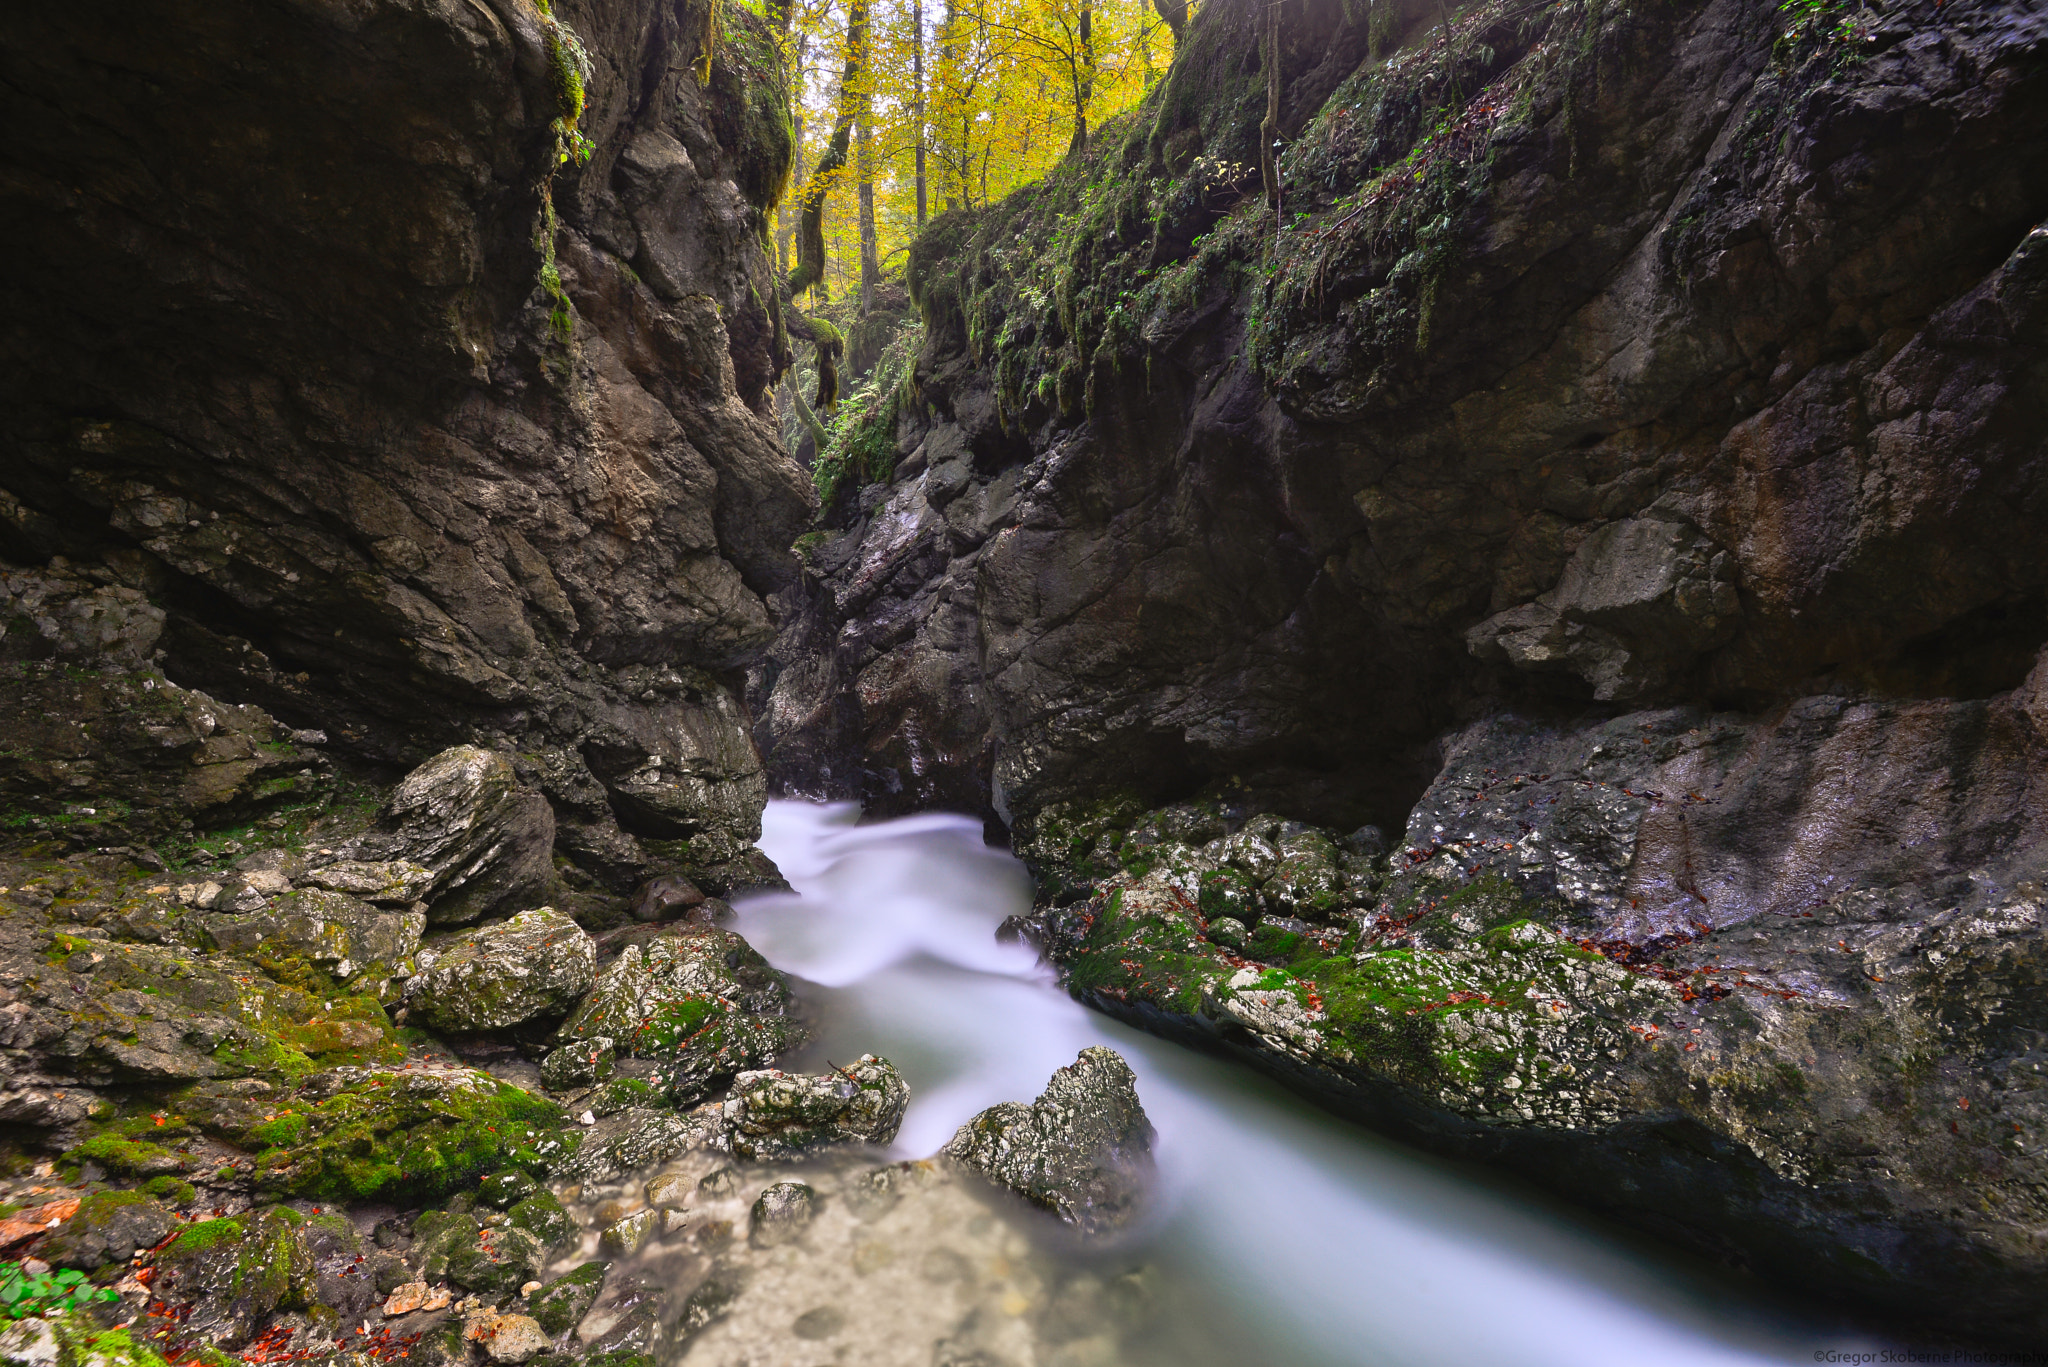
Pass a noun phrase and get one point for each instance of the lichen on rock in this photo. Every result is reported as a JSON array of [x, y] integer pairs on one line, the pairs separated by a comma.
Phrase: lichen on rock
[[771, 1115], [696, 998], [536, 965], [1082, 1150]]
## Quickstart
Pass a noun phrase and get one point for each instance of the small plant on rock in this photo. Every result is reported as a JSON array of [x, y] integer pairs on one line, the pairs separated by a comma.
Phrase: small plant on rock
[[24, 1294]]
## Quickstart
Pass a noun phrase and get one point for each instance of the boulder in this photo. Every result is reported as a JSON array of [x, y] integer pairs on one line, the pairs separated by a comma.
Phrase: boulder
[[237, 1272], [403, 1133], [773, 1115], [561, 1305], [1083, 1150], [699, 999], [491, 1260], [781, 1214], [353, 940], [395, 882], [108, 1228], [665, 898], [536, 965], [580, 1063], [486, 839]]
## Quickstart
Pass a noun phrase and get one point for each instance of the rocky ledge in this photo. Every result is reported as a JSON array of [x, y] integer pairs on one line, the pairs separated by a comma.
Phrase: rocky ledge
[[1766, 985]]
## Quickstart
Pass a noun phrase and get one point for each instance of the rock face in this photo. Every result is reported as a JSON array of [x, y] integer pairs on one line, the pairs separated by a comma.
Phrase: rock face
[[772, 1115], [1646, 385], [387, 420], [535, 966], [98, 747], [1083, 1150], [240, 1270], [696, 998]]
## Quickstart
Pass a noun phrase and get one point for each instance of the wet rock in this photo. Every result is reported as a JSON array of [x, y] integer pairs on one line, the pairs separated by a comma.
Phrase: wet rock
[[775, 1116], [561, 1305], [697, 999], [707, 1303], [534, 966], [1082, 1150], [391, 882], [353, 940], [781, 1213], [629, 1321], [485, 837], [489, 1260], [635, 1139], [108, 1228], [542, 1216], [513, 1338], [581, 1063], [503, 1190], [665, 898], [625, 1237], [237, 1272]]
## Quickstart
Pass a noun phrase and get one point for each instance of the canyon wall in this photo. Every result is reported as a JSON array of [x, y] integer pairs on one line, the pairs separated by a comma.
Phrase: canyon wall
[[417, 419], [1615, 466]]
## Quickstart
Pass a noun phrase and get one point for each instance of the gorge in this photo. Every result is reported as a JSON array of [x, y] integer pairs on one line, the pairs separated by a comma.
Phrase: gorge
[[1534, 643]]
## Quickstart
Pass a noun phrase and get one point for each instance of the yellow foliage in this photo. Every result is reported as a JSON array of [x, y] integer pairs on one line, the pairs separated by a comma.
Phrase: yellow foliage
[[993, 90]]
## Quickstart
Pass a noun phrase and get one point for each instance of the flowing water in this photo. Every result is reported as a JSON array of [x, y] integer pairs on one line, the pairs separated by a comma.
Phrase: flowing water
[[1277, 1234]]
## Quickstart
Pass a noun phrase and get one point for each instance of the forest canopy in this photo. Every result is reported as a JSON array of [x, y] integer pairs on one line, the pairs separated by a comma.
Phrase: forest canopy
[[906, 108]]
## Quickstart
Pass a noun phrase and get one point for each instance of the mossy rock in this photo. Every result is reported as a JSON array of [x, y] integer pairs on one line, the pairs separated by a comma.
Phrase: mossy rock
[[108, 1228], [74, 1339], [561, 1305], [488, 1260], [542, 1216], [503, 1190], [1498, 1027], [237, 1272], [396, 1135], [699, 1000]]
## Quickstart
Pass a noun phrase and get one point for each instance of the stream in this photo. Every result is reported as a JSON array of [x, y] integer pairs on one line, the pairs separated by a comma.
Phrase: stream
[[1276, 1233]]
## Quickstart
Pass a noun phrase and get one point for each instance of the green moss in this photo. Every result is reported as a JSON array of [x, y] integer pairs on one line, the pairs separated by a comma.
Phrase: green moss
[[389, 1138], [83, 1341], [172, 1189], [621, 1093], [542, 1216], [122, 1156], [862, 441], [207, 1235]]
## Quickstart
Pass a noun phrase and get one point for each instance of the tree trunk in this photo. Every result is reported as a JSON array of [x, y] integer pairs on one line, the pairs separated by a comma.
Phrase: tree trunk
[[917, 96], [785, 222], [956, 169], [1175, 13], [870, 249], [1084, 79], [810, 261], [1269, 131]]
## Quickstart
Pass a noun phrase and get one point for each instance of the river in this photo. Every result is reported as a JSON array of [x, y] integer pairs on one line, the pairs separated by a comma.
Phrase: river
[[1290, 1235]]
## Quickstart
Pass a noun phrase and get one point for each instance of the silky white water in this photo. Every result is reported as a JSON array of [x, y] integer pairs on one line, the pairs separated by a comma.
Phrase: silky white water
[[1299, 1235]]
